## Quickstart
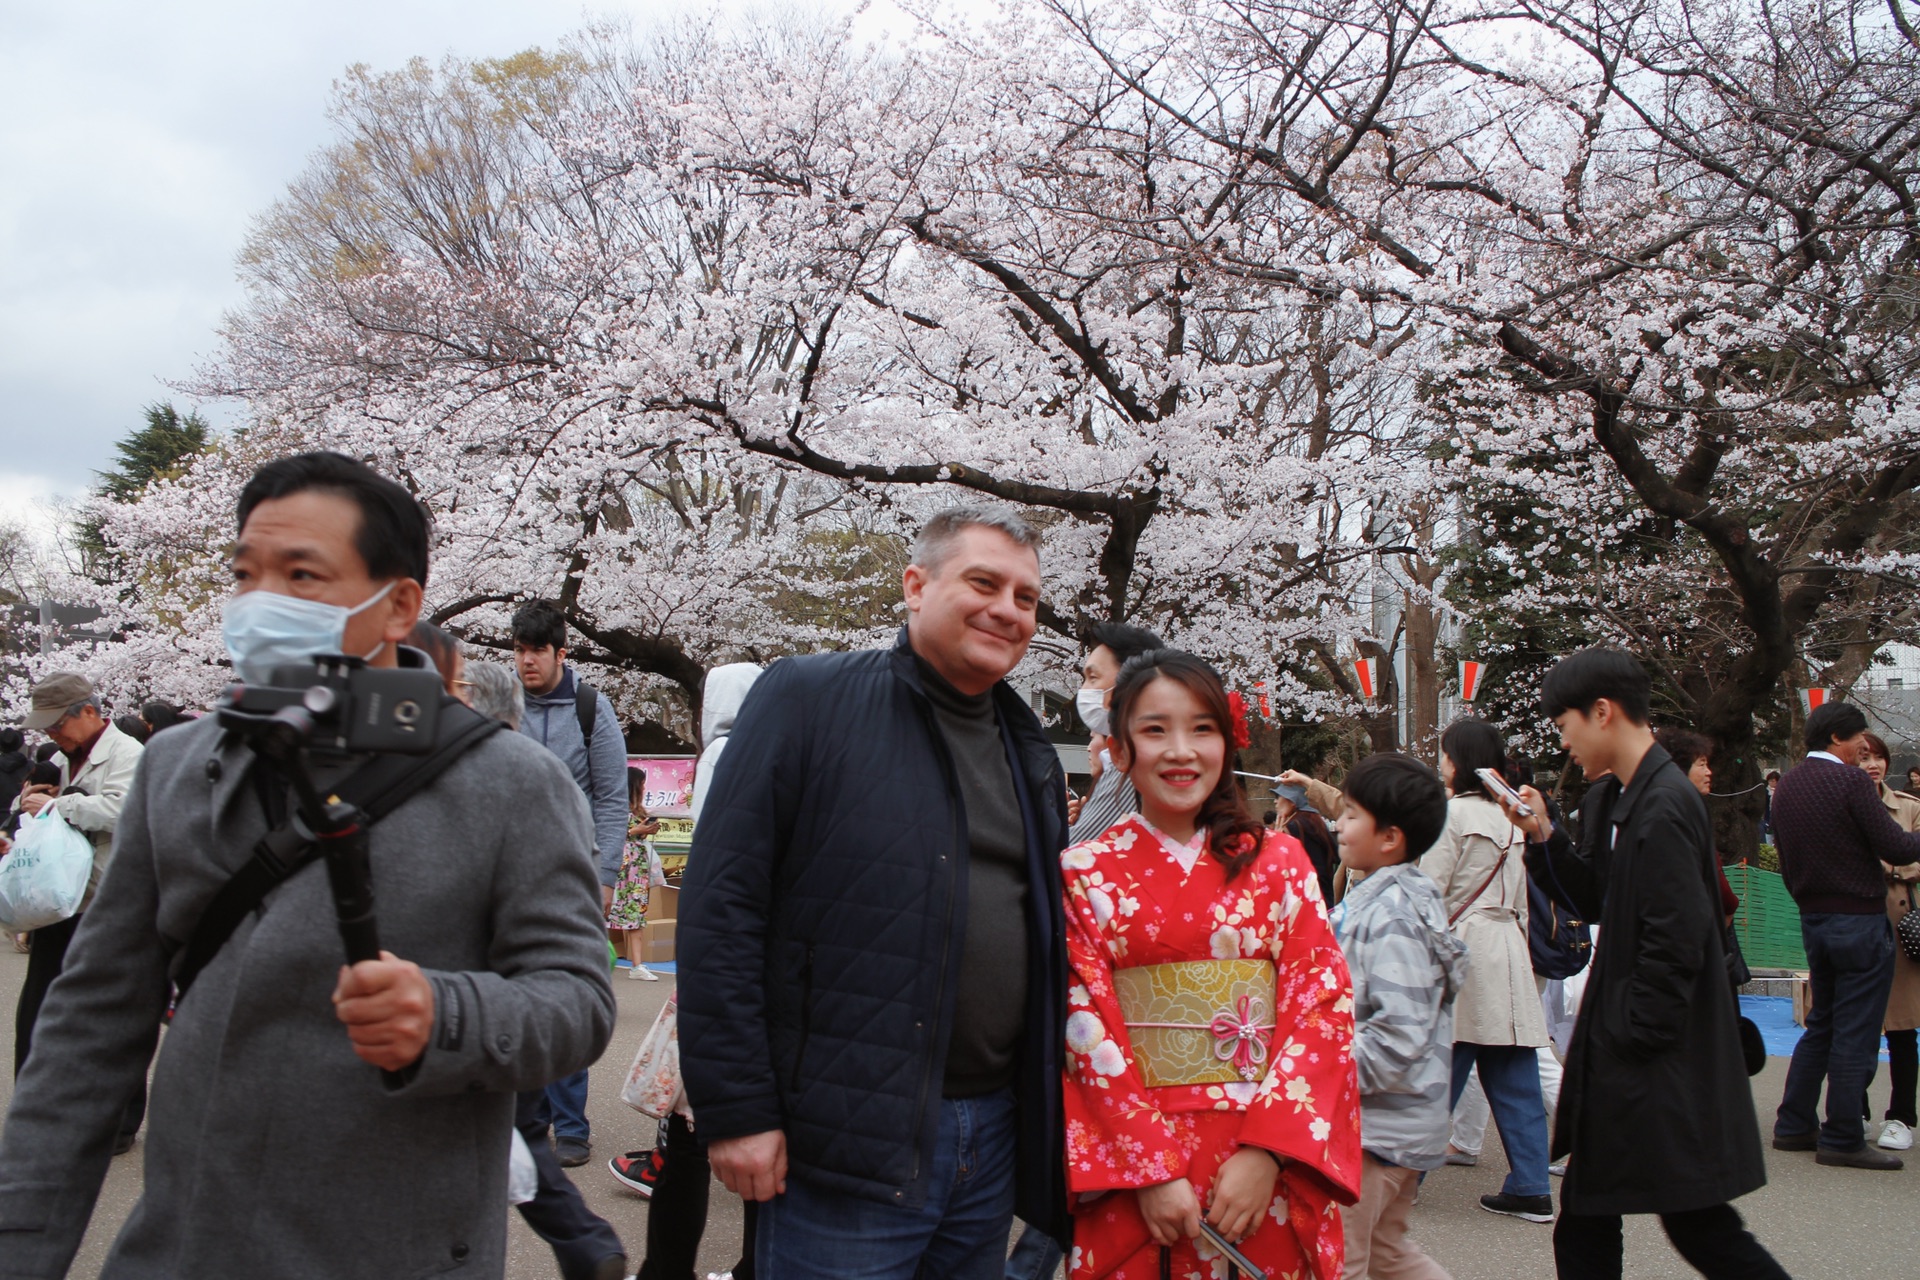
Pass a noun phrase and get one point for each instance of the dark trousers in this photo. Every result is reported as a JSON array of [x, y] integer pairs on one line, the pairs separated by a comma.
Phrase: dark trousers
[[1850, 973], [1587, 1246], [677, 1216], [581, 1239], [1903, 1067], [44, 962]]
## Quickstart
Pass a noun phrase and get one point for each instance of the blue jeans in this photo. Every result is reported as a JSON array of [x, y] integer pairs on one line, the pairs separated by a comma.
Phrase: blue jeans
[[567, 1098], [1036, 1256], [960, 1233], [1511, 1076], [1850, 973]]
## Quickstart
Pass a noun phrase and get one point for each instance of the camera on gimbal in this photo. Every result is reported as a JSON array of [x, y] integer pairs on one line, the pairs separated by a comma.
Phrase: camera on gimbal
[[340, 704]]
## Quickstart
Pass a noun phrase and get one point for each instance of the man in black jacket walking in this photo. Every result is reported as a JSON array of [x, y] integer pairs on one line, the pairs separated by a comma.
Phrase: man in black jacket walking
[[1833, 834], [1655, 1110], [872, 939]]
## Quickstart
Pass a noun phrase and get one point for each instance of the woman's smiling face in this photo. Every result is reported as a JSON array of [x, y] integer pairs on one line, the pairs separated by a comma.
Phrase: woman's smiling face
[[1174, 752]]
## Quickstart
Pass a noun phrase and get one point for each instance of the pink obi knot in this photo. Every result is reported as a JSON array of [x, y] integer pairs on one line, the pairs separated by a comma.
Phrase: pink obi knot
[[1242, 1036]]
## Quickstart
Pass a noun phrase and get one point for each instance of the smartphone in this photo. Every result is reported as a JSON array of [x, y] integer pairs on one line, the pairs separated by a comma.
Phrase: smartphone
[[1501, 791], [1247, 1270]]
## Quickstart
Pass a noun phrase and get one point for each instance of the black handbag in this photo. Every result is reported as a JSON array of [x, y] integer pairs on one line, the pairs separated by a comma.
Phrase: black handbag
[[1908, 930]]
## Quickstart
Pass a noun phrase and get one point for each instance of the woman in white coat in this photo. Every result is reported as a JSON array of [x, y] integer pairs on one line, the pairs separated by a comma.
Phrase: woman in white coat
[[1497, 1020]]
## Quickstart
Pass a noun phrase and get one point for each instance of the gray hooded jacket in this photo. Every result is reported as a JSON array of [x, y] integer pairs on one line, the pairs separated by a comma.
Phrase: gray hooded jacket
[[1407, 969], [600, 771]]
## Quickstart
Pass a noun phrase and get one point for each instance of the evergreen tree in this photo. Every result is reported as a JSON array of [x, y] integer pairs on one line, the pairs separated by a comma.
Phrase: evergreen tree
[[154, 452]]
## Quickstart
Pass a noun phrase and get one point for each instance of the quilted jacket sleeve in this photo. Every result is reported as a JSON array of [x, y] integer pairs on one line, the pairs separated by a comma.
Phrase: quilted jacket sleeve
[[725, 1055]]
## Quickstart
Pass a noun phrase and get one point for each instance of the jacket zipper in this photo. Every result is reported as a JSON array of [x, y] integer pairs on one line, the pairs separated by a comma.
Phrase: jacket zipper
[[806, 1015], [946, 938]]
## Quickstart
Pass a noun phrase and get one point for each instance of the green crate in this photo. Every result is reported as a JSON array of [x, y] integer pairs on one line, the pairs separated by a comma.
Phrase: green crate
[[1768, 922]]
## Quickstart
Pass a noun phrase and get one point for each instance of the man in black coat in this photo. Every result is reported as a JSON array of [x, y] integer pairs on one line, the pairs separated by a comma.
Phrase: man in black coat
[[1655, 1111], [872, 941]]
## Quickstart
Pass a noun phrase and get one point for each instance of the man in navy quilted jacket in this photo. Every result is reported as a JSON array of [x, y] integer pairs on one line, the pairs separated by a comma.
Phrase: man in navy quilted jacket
[[1833, 834], [872, 944]]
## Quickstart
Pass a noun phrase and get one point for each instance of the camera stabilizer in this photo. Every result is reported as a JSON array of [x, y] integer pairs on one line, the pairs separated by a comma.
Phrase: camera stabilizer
[[343, 704]]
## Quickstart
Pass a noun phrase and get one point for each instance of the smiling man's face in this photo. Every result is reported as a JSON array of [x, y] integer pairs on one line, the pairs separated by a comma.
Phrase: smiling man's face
[[972, 616]]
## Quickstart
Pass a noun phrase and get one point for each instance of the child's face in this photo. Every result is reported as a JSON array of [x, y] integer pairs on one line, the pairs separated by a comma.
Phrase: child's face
[[1363, 845]]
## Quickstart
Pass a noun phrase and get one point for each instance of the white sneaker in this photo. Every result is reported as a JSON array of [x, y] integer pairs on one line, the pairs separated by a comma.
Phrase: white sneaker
[[640, 973], [1895, 1136]]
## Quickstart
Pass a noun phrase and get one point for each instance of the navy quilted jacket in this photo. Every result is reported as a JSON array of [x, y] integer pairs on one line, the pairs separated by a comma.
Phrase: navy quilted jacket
[[821, 925]]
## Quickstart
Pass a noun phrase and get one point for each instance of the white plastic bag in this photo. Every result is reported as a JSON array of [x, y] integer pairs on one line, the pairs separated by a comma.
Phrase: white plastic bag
[[44, 880], [523, 1176], [653, 1084]]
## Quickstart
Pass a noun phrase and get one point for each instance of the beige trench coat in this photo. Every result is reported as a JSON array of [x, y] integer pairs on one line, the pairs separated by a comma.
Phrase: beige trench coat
[[1499, 1003], [1903, 1004]]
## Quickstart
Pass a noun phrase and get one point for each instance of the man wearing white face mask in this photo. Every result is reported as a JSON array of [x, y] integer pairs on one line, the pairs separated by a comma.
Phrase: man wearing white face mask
[[310, 1118], [1112, 798]]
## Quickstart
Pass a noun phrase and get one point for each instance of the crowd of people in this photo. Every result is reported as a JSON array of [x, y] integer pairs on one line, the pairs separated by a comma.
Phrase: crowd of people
[[923, 989]]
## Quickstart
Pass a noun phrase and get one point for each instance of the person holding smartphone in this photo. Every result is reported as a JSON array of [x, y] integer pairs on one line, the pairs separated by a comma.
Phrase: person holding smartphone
[[1498, 1023]]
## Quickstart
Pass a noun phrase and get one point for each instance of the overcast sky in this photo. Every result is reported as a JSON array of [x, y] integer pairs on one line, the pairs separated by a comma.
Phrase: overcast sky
[[138, 140]]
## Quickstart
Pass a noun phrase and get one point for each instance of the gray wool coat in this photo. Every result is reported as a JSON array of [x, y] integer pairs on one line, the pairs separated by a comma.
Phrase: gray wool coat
[[271, 1149]]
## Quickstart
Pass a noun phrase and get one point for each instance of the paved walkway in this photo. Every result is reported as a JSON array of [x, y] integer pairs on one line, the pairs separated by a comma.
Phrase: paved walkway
[[1823, 1224]]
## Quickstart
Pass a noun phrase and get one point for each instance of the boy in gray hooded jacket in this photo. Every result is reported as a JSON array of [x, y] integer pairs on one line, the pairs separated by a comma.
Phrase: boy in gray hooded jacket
[[1407, 968]]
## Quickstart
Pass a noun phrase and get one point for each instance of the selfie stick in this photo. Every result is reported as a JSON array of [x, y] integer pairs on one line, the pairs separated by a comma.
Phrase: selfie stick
[[336, 826]]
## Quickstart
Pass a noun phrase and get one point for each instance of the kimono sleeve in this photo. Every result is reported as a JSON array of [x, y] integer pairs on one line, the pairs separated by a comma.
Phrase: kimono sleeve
[[1116, 1135], [1308, 1107]]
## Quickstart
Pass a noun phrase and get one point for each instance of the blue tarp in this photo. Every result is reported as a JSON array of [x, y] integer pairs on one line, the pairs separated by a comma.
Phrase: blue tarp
[[1774, 1016]]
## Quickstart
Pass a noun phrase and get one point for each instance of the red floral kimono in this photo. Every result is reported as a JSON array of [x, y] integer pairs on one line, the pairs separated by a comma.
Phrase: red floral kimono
[[1131, 905]]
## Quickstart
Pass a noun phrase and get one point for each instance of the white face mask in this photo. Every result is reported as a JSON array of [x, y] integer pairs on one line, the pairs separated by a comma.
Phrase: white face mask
[[264, 630], [1092, 706]]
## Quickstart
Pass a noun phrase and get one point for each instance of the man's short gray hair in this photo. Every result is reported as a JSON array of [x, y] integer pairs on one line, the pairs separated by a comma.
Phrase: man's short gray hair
[[496, 692], [937, 536]]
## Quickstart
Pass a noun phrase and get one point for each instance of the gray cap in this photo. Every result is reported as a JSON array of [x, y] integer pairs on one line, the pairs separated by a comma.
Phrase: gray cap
[[56, 691]]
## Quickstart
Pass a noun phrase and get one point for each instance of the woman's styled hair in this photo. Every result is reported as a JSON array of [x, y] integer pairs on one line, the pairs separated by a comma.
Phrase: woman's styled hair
[[636, 785], [1471, 745], [1685, 746], [1878, 746], [1232, 834]]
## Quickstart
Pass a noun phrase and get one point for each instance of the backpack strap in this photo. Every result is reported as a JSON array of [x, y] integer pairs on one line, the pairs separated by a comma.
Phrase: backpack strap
[[586, 709], [376, 788]]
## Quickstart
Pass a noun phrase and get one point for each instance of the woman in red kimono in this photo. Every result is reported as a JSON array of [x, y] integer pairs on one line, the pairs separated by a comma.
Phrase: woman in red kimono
[[1210, 1023]]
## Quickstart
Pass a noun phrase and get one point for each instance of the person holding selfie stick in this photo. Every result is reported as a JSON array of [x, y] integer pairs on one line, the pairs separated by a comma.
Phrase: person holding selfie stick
[[1656, 1109]]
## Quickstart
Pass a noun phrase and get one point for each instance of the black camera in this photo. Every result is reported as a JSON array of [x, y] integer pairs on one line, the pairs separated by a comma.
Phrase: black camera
[[341, 704]]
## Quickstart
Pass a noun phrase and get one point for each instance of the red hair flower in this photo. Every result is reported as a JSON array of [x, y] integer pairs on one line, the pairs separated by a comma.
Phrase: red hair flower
[[1238, 705]]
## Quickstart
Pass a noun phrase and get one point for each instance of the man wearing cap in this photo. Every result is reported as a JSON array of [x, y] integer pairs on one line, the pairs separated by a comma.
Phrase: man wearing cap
[[96, 770]]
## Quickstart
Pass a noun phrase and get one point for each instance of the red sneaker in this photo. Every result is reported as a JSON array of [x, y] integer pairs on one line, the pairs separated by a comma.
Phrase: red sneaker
[[638, 1170]]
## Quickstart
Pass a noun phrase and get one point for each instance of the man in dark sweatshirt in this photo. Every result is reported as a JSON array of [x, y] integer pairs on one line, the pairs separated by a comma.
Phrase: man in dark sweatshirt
[[1833, 833], [873, 949]]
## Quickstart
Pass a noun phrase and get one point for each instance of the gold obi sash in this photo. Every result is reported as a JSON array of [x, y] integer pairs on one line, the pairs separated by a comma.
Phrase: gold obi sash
[[1198, 1021]]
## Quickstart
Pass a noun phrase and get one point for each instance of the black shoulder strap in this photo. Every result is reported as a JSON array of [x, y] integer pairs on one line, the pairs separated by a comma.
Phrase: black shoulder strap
[[586, 709], [376, 788]]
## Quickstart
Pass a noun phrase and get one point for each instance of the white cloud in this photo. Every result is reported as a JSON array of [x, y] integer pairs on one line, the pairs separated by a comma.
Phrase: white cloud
[[140, 140]]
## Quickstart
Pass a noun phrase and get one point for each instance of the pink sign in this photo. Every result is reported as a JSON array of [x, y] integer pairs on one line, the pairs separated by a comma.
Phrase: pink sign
[[669, 791], [669, 783]]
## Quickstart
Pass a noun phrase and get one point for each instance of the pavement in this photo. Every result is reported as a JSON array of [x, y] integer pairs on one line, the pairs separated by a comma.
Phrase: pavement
[[1822, 1224]]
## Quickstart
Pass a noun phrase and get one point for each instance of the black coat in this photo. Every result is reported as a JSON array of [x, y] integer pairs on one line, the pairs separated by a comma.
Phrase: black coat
[[1656, 1109], [821, 928]]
